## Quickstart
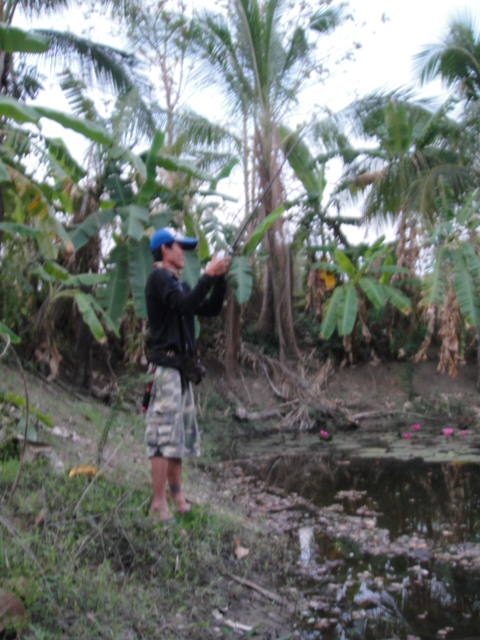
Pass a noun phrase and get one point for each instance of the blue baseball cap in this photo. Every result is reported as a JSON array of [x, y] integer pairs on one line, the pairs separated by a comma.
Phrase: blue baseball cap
[[169, 234]]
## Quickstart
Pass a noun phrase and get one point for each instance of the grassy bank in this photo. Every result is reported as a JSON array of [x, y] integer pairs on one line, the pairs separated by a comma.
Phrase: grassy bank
[[82, 554]]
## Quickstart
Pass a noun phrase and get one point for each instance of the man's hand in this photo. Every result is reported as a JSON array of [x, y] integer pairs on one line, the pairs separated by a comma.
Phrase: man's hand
[[218, 266]]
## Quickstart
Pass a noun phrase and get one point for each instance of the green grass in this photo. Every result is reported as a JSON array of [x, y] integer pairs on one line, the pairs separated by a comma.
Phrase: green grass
[[96, 565]]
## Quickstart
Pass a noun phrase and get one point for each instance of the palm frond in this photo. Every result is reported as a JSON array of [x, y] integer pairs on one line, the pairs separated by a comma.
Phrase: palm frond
[[326, 19], [36, 8], [455, 59], [108, 65]]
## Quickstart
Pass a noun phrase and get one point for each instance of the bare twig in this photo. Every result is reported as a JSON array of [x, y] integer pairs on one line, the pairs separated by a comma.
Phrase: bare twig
[[270, 595], [270, 382], [246, 387]]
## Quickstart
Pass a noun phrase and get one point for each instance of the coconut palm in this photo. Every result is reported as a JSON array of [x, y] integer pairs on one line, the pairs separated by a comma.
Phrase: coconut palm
[[108, 65], [260, 60], [411, 153], [455, 59], [452, 286]]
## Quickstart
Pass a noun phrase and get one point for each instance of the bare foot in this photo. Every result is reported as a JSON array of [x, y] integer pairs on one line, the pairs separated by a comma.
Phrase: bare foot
[[181, 506], [160, 513]]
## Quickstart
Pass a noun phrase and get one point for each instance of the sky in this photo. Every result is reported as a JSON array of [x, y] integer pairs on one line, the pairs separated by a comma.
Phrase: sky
[[389, 34]]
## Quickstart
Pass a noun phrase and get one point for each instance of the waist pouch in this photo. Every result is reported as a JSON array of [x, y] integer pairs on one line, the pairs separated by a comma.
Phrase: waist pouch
[[190, 367]]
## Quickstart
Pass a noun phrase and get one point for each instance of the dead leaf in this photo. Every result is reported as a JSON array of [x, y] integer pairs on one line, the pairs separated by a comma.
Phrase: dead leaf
[[83, 470], [240, 552], [11, 610], [40, 519]]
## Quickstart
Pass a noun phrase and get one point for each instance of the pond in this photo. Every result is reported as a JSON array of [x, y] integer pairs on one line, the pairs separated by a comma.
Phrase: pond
[[387, 547]]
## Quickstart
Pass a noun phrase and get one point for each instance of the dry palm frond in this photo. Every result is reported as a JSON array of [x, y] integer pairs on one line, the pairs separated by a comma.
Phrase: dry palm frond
[[348, 347], [450, 323]]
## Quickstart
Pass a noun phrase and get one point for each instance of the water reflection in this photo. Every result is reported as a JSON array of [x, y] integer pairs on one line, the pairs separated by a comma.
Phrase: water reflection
[[438, 501], [305, 538], [394, 551]]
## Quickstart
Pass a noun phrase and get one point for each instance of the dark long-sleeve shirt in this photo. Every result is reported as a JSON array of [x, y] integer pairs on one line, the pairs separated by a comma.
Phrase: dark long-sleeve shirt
[[172, 306]]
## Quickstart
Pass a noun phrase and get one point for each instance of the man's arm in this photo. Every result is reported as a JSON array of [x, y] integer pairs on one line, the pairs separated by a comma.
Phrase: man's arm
[[212, 305], [175, 297]]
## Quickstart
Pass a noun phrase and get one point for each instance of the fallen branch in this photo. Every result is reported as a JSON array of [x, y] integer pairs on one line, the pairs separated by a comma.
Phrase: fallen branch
[[270, 595], [389, 412], [242, 414]]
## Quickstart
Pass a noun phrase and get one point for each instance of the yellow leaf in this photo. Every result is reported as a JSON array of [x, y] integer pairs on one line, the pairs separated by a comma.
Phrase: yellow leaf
[[83, 470], [328, 279]]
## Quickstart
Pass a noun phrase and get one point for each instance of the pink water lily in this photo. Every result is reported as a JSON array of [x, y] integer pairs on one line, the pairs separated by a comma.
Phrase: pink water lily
[[448, 431], [324, 434], [415, 427], [407, 435]]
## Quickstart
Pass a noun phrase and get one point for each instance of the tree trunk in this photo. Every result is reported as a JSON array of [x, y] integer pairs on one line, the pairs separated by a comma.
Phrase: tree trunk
[[280, 275], [277, 306], [266, 319]]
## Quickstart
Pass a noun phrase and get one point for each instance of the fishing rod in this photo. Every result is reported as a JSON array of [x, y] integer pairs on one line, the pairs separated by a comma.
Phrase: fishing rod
[[266, 190]]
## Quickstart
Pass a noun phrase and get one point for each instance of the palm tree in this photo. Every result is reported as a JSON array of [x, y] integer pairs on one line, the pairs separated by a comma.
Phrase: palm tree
[[260, 62], [108, 65], [410, 155], [455, 59], [22, 81], [454, 274]]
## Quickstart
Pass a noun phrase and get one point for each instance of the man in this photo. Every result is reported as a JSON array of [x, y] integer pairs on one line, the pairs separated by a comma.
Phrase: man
[[171, 426]]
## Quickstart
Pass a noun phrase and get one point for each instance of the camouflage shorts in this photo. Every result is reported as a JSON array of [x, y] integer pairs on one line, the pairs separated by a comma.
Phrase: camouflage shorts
[[171, 423]]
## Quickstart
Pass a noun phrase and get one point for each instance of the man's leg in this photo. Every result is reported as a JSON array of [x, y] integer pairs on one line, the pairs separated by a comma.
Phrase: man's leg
[[175, 482], [159, 506]]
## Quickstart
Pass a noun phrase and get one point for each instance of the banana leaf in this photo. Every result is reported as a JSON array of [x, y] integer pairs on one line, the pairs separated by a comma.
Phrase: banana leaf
[[240, 276], [465, 290], [373, 290], [148, 187], [332, 313], [396, 297], [85, 306], [346, 322], [140, 265], [134, 218], [344, 262], [114, 295], [4, 175], [261, 229], [434, 283], [89, 227]]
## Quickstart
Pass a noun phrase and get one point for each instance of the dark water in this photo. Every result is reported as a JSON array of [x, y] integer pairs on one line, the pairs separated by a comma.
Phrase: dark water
[[423, 581]]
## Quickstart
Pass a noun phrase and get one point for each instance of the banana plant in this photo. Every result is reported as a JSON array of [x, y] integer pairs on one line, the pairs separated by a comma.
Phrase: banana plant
[[367, 280], [62, 284], [128, 210], [455, 262]]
